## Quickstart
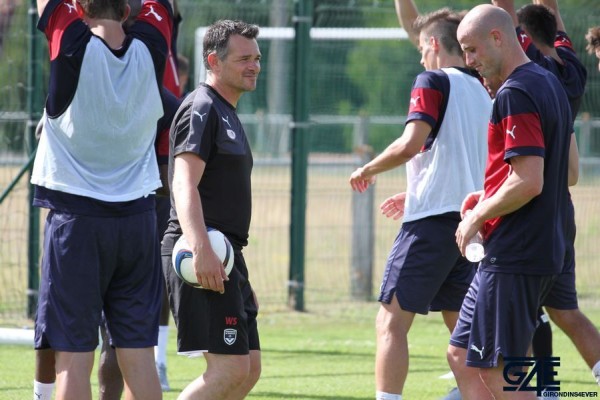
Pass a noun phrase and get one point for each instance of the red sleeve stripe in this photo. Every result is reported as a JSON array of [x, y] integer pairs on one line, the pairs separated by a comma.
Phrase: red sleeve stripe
[[157, 15], [425, 101], [562, 40], [63, 16], [523, 130]]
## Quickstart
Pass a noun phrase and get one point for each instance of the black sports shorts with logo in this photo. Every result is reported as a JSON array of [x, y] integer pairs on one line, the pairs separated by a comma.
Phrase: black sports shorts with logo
[[208, 321]]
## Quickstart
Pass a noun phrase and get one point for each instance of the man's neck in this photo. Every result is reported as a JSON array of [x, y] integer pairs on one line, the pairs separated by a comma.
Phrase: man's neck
[[109, 30], [451, 61], [549, 52], [225, 91]]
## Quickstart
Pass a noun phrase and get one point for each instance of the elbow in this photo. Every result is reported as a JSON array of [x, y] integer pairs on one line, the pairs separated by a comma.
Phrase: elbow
[[533, 189], [573, 178]]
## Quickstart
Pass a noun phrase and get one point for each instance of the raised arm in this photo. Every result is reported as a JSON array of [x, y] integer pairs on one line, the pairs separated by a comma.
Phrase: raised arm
[[41, 5], [573, 175], [509, 7], [553, 5], [407, 13]]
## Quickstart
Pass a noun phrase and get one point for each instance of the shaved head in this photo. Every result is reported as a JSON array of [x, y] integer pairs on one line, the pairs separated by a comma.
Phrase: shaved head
[[490, 46], [484, 18]]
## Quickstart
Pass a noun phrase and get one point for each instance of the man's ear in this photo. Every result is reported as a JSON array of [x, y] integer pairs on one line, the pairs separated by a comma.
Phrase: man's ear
[[435, 43], [126, 13], [497, 37], [213, 61]]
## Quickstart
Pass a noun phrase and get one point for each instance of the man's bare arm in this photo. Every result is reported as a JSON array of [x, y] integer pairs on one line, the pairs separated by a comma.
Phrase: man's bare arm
[[509, 7], [41, 5], [407, 13]]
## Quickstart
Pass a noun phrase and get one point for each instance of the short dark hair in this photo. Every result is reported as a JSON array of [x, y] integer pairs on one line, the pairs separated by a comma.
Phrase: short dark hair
[[593, 39], [216, 38], [443, 25], [107, 9], [539, 22]]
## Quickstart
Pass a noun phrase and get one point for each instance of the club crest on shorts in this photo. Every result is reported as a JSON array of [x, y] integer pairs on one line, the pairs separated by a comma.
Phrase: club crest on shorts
[[230, 335]]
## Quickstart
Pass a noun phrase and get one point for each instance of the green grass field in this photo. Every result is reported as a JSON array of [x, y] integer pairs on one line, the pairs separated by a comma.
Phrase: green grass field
[[326, 353]]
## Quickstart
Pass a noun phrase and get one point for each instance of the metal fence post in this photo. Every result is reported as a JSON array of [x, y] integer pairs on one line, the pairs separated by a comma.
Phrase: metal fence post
[[363, 235], [300, 130], [34, 108]]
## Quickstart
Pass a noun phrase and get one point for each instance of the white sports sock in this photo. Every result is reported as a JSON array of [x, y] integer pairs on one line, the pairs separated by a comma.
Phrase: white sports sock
[[596, 372], [42, 391], [160, 351], [387, 396]]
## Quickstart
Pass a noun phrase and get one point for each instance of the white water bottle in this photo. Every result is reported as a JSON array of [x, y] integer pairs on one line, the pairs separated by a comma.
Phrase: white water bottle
[[474, 251]]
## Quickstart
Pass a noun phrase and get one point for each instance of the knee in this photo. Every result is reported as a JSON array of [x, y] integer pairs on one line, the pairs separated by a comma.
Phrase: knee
[[239, 374], [391, 325], [253, 375], [456, 358]]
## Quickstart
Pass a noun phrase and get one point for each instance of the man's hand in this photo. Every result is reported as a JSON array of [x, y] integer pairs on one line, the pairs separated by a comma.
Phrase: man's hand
[[359, 181], [393, 207]]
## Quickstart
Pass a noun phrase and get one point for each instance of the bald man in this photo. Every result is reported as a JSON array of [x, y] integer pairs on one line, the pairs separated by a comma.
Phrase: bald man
[[525, 183]]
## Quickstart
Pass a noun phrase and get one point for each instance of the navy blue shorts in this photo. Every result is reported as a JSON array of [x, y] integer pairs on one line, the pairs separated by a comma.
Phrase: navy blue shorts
[[208, 321], [95, 264], [425, 269], [163, 210], [563, 294], [499, 316]]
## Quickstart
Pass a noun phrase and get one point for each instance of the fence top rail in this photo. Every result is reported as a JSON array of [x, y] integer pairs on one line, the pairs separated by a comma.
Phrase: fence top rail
[[13, 116]]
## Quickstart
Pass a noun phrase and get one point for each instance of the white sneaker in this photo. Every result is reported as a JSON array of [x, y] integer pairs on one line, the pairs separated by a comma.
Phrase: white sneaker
[[596, 375], [448, 375], [161, 369], [454, 394]]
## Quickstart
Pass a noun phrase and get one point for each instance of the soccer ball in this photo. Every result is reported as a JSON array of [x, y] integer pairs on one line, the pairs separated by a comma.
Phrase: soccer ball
[[182, 256]]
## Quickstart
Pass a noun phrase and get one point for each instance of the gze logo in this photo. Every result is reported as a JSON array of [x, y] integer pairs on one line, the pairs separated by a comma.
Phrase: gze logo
[[230, 320], [517, 375]]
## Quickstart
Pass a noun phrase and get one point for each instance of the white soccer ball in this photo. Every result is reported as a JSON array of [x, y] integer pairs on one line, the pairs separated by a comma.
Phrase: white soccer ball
[[182, 256]]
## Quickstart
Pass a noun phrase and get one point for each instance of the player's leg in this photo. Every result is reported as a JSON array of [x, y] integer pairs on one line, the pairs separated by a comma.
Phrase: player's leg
[[224, 375], [163, 207], [450, 319], [468, 379], [449, 299], [391, 357], [45, 374], [110, 379], [160, 350], [469, 382], [563, 308], [251, 308], [69, 310], [227, 376], [495, 382], [541, 344], [515, 300], [255, 370], [582, 332], [419, 277], [139, 373], [132, 303], [73, 371]]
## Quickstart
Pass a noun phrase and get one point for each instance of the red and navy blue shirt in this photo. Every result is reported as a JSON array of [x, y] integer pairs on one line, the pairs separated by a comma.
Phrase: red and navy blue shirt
[[428, 101], [530, 117]]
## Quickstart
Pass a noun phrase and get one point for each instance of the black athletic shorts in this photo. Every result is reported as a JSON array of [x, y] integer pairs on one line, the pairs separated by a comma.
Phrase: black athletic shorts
[[208, 321]]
